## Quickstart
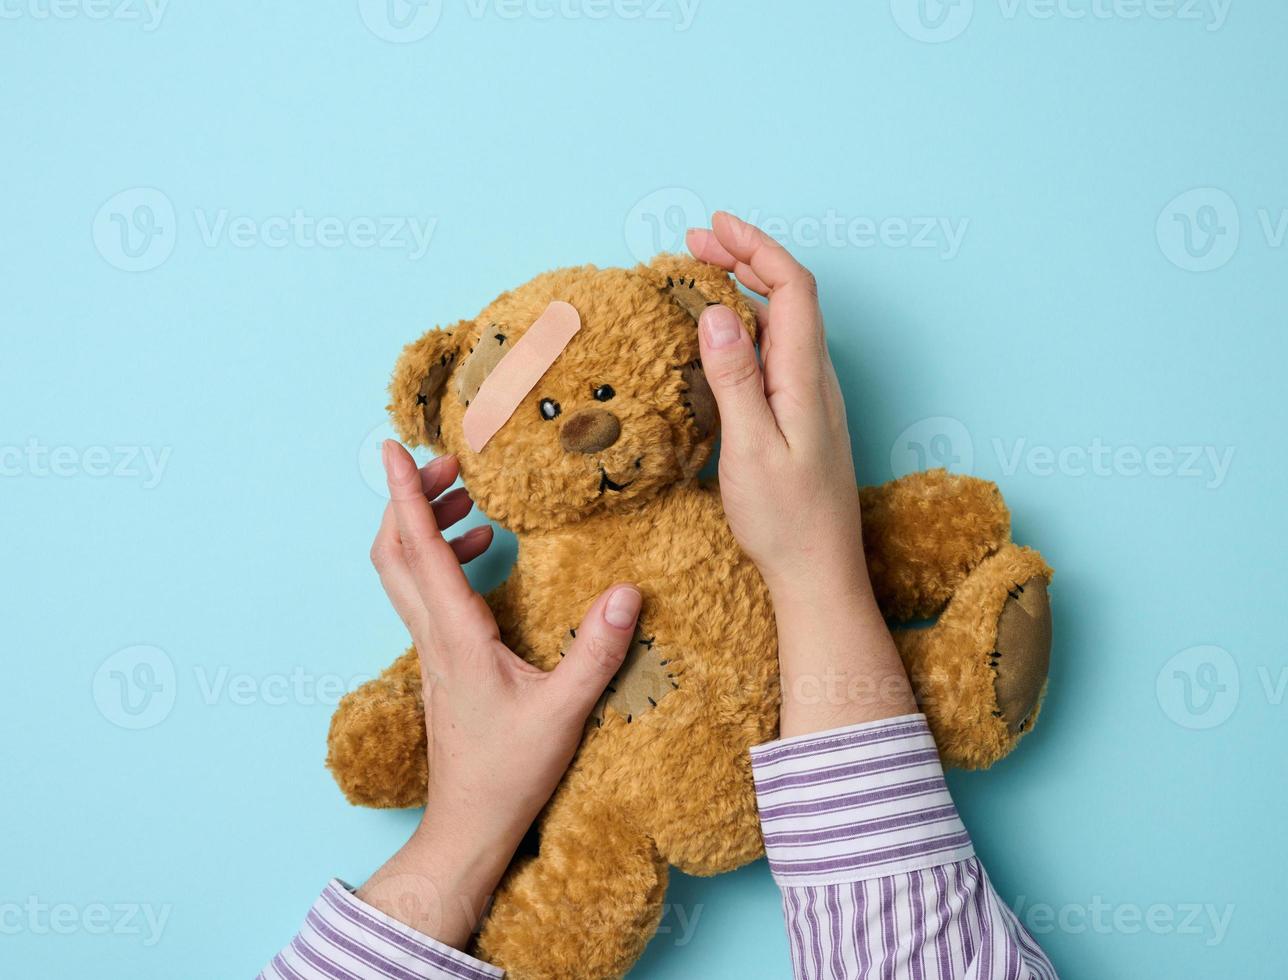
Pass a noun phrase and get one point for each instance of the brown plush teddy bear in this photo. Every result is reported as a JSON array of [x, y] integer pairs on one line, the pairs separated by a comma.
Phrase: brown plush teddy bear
[[596, 474]]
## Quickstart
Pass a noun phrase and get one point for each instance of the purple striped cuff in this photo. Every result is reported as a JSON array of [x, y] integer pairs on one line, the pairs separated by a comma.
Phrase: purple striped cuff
[[346, 939], [856, 803]]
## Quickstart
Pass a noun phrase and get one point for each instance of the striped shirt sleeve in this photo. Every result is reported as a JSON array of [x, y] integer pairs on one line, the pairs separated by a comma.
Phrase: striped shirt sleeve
[[344, 938], [878, 875]]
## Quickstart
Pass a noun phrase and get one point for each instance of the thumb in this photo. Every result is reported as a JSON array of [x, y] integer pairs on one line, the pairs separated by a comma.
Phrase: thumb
[[599, 647], [729, 362]]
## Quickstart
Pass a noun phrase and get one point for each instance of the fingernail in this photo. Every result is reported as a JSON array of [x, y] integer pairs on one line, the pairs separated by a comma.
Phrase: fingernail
[[720, 325], [622, 607], [398, 464]]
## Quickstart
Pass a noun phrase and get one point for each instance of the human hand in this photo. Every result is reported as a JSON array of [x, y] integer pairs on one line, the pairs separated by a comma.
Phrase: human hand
[[788, 486], [500, 732]]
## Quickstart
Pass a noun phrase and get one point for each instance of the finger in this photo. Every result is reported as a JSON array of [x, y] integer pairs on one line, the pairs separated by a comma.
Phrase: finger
[[792, 337], [432, 563], [773, 264], [706, 247], [729, 362], [472, 543], [439, 474], [452, 507], [599, 648], [395, 577]]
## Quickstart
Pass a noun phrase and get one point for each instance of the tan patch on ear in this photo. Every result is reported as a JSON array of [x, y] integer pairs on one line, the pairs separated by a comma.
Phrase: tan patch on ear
[[687, 294], [698, 399], [492, 346], [427, 396], [645, 678]]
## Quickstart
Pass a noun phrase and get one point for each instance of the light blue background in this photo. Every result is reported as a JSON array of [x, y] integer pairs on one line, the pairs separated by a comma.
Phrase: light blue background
[[1072, 314]]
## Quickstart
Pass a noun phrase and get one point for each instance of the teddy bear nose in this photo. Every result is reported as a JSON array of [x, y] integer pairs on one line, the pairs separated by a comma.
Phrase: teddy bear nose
[[589, 431]]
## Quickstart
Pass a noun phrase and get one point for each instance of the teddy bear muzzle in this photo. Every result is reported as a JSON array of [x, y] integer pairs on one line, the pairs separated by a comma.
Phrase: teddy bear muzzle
[[589, 430]]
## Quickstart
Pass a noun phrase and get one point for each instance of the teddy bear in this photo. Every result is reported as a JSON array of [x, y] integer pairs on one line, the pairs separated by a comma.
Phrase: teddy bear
[[596, 472]]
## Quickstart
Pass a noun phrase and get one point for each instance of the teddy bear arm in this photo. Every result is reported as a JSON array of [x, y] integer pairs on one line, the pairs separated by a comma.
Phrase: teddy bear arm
[[924, 533], [376, 747]]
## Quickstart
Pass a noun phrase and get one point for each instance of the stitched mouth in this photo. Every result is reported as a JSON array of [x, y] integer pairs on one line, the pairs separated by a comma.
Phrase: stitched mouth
[[606, 484]]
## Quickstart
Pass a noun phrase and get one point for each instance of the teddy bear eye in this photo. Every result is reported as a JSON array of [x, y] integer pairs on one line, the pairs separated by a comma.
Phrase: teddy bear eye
[[549, 408], [603, 393]]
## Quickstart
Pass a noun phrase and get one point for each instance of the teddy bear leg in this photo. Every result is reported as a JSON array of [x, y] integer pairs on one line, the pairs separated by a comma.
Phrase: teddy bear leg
[[924, 533], [376, 745], [585, 906], [980, 671]]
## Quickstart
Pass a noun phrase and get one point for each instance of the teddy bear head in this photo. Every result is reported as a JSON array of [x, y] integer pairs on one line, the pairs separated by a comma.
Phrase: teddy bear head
[[623, 412]]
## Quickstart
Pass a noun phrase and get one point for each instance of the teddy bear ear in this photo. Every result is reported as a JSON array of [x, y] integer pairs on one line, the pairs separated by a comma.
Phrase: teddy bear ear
[[695, 285], [420, 378]]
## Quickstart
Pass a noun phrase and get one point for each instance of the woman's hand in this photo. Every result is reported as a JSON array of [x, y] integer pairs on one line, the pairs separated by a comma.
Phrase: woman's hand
[[500, 732], [788, 486]]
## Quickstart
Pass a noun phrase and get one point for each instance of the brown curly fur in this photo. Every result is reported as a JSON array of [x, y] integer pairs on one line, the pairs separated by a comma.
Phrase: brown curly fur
[[671, 786]]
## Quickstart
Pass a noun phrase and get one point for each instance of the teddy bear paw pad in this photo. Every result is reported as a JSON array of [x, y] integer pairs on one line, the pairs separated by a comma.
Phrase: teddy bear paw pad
[[1023, 654]]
